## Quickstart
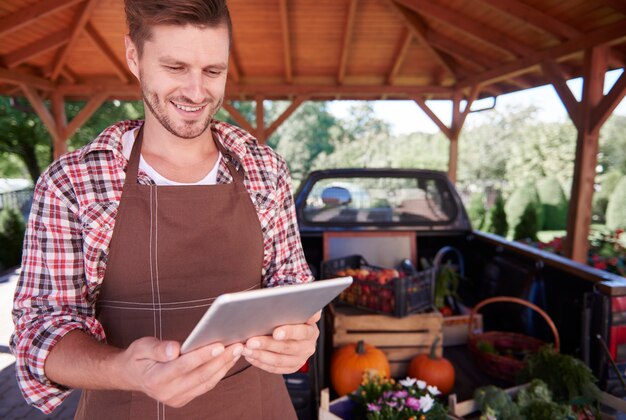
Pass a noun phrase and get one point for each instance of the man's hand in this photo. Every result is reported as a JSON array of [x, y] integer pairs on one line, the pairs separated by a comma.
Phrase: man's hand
[[286, 350], [159, 370]]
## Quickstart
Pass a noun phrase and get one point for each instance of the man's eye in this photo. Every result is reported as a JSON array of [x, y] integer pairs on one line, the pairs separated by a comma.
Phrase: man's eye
[[173, 68]]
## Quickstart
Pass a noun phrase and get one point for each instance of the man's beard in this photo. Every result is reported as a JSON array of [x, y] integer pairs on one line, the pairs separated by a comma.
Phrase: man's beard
[[190, 129]]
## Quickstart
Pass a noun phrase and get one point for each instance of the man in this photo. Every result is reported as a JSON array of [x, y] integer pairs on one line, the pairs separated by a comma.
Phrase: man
[[132, 237]]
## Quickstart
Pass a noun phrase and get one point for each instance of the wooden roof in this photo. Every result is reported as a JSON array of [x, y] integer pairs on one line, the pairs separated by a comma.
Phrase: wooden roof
[[324, 49]]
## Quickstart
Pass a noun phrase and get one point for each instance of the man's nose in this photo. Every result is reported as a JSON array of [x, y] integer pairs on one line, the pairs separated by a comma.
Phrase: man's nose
[[194, 87]]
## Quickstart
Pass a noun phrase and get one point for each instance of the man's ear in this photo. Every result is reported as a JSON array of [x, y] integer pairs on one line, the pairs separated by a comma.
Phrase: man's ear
[[132, 56]]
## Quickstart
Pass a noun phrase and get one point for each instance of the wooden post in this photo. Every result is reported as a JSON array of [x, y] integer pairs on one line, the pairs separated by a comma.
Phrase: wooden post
[[260, 120], [60, 119], [579, 214]]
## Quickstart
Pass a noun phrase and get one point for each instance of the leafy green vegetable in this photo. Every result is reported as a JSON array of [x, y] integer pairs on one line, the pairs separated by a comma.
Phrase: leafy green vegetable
[[493, 401], [542, 410]]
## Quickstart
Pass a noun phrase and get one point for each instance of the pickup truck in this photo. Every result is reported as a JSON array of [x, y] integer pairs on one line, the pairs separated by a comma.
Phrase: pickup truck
[[584, 303]]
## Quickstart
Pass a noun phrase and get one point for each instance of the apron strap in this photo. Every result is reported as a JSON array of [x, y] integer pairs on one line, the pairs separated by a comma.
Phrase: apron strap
[[234, 166]]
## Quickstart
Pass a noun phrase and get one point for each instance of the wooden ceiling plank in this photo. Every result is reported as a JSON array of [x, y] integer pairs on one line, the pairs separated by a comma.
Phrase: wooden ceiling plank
[[30, 14], [284, 23], [400, 55], [556, 77], [607, 34], [419, 29], [460, 51], [286, 114], [23, 54], [422, 104], [15, 77], [118, 67], [535, 18], [85, 113], [618, 5], [347, 39], [42, 112], [608, 104], [239, 119], [490, 36], [78, 26]]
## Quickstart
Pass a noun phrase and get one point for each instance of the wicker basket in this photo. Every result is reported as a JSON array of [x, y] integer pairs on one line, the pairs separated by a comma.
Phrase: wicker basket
[[502, 366]]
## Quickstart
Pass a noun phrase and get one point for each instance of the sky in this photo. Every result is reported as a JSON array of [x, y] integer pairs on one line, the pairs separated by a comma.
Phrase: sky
[[406, 117]]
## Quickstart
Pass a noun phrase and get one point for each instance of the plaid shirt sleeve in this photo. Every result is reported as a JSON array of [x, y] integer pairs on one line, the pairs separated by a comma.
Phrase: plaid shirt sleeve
[[288, 265], [51, 297]]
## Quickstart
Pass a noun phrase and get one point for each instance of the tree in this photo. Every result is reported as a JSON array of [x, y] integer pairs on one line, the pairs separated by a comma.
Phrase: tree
[[12, 229], [522, 198], [476, 211], [496, 220], [616, 210], [553, 204], [528, 225], [607, 183]]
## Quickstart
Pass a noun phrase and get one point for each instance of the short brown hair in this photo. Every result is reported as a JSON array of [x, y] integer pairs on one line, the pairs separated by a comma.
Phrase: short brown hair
[[141, 15]]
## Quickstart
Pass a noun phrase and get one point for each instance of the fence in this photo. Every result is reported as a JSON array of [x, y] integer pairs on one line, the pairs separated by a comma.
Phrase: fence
[[18, 199]]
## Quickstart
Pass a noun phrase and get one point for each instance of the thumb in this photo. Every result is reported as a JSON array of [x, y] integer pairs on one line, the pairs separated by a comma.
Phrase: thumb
[[155, 349]]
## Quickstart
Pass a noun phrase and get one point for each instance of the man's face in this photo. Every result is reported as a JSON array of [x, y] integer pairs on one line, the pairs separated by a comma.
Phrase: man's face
[[182, 73]]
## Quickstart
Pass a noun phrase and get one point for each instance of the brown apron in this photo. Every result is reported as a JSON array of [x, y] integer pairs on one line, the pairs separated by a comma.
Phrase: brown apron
[[174, 249]]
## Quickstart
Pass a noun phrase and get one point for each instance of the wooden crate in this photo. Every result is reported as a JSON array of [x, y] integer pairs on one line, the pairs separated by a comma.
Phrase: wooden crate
[[400, 339], [455, 329]]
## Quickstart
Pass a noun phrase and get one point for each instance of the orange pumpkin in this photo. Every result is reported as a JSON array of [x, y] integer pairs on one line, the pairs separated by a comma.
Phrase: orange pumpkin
[[433, 370], [348, 364]]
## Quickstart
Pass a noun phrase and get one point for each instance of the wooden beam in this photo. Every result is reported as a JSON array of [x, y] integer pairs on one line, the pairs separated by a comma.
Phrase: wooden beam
[[239, 119], [43, 113], [25, 53], [422, 104], [31, 13], [534, 17], [69, 75], [478, 30], [347, 39], [85, 113], [401, 52], [618, 5], [608, 104], [286, 114], [260, 120], [58, 113], [579, 214], [18, 78], [419, 29], [80, 21], [118, 67], [555, 76], [458, 119], [284, 24], [607, 34], [460, 51]]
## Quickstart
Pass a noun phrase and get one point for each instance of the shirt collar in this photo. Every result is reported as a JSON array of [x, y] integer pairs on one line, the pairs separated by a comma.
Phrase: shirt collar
[[233, 138]]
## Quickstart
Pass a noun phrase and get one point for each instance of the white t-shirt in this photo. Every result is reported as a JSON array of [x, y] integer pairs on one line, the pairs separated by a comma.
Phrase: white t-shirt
[[128, 138]]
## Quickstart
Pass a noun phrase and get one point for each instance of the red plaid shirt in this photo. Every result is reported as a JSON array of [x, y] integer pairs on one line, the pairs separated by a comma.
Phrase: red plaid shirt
[[70, 227]]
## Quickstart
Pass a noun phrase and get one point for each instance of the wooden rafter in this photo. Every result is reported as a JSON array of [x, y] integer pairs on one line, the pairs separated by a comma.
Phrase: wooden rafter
[[463, 52], [15, 77], [85, 113], [600, 36], [555, 75], [284, 24], [286, 114], [606, 106], [420, 30], [617, 58], [118, 67], [534, 17], [36, 101], [618, 5], [80, 21], [30, 14], [69, 75], [484, 33], [25, 53], [400, 55], [236, 115], [347, 39]]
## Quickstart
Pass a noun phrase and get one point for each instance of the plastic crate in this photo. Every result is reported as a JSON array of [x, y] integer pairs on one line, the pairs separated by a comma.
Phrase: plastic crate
[[399, 297]]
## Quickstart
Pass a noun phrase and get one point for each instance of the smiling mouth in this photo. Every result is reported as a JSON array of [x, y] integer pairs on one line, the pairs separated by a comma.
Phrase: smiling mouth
[[187, 108]]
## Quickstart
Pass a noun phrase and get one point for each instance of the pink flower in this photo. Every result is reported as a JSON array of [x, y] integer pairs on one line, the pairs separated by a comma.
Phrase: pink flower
[[413, 403]]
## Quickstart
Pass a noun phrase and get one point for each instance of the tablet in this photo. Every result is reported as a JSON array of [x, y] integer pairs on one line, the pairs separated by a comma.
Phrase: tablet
[[235, 317]]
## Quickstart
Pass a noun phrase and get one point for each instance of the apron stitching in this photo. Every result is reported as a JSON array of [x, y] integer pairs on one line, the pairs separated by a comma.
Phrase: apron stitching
[[151, 269], [156, 257]]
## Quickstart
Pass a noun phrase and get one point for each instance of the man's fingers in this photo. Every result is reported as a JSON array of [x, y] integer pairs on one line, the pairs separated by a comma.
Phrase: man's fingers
[[296, 332], [155, 349]]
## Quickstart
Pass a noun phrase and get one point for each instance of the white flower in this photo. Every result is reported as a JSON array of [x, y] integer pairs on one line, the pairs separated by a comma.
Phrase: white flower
[[426, 403], [433, 390], [408, 382], [421, 384]]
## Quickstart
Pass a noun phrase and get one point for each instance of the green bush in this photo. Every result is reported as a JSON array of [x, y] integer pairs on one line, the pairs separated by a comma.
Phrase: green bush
[[496, 219], [518, 203], [616, 210], [608, 182], [528, 225], [553, 204], [476, 211], [11, 237]]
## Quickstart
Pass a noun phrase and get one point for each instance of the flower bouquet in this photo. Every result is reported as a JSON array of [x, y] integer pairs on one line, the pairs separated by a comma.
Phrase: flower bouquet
[[380, 398]]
